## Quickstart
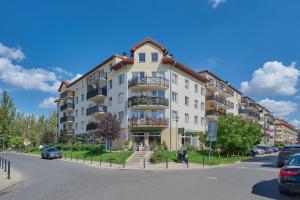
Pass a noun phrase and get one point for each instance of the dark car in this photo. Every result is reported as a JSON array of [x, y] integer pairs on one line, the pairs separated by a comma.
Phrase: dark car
[[285, 154], [289, 176], [51, 153], [266, 148], [275, 149]]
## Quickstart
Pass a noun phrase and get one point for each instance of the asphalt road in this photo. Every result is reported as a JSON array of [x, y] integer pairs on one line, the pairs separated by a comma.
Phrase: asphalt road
[[56, 180]]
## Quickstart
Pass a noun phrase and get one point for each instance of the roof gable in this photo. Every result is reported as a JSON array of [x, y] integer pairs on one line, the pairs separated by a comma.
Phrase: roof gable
[[148, 40]]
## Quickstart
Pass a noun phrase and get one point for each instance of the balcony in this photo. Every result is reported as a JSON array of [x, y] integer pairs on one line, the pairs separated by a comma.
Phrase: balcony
[[147, 103], [212, 114], [249, 114], [213, 85], [96, 111], [149, 122], [152, 83], [97, 95], [67, 93], [226, 91], [67, 106], [68, 132], [67, 119], [221, 101], [91, 126]]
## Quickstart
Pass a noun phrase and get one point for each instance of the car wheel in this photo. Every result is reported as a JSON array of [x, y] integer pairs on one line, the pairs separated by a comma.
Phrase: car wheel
[[283, 191]]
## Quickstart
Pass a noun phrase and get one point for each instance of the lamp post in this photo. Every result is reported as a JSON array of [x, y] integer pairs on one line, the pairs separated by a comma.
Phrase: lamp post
[[176, 119]]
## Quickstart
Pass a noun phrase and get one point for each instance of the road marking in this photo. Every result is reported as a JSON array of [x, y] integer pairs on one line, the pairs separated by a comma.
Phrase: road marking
[[212, 177]]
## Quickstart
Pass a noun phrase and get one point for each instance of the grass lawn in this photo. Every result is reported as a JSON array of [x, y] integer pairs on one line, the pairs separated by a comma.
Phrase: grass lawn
[[116, 157], [198, 156]]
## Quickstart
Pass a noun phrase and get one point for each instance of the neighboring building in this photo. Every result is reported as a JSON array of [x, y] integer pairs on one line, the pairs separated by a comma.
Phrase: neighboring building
[[267, 124], [285, 133], [221, 97], [249, 109], [153, 94], [298, 131]]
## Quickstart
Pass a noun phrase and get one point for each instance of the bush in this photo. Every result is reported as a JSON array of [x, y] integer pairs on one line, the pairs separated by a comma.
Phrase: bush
[[78, 146], [164, 145], [190, 147], [93, 148], [66, 147], [157, 155]]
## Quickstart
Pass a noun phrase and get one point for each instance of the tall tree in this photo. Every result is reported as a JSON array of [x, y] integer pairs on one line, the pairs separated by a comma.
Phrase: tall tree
[[108, 128], [7, 115]]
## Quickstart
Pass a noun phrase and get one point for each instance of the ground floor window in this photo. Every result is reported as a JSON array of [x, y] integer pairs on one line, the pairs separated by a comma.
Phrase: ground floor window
[[189, 140], [154, 139], [138, 139]]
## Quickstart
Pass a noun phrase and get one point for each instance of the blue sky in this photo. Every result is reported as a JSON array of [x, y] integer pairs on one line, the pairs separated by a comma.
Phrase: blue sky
[[253, 42]]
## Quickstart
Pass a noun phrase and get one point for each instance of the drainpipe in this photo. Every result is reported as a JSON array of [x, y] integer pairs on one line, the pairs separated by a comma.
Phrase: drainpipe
[[170, 99]]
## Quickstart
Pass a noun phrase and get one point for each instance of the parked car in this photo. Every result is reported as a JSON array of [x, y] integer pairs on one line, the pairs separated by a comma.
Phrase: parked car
[[289, 176], [41, 147], [51, 153], [266, 148], [275, 149], [286, 153], [256, 151]]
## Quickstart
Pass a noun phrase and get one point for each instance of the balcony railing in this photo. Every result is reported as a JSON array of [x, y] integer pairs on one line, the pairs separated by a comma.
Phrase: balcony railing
[[67, 131], [221, 100], [147, 101], [98, 91], [96, 109], [221, 86], [249, 113], [66, 106], [91, 126], [148, 81], [67, 93], [159, 122], [212, 113], [67, 119]]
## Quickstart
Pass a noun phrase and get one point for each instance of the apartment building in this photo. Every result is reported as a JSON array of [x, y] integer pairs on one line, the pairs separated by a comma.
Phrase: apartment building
[[157, 99], [285, 133], [221, 97], [249, 109], [267, 125]]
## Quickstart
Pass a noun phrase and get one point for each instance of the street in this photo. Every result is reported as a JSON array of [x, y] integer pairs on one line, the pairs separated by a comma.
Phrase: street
[[53, 179]]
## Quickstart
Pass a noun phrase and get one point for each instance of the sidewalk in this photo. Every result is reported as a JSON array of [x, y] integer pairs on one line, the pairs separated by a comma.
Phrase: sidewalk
[[7, 183]]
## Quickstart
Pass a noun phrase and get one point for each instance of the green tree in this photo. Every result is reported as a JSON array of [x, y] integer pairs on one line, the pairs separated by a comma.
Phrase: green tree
[[7, 115], [235, 133]]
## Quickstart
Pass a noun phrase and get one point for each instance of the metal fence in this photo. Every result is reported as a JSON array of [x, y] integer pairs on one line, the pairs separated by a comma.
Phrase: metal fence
[[5, 166]]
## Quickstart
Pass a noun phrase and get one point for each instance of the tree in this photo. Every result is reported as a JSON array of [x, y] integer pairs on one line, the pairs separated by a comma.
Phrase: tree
[[7, 115], [235, 133], [48, 137], [108, 128]]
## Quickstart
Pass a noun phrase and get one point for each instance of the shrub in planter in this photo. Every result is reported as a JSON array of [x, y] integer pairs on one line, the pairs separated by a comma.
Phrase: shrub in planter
[[157, 155]]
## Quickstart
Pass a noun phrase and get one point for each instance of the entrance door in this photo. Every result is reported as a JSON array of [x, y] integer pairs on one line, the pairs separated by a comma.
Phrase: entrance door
[[138, 140]]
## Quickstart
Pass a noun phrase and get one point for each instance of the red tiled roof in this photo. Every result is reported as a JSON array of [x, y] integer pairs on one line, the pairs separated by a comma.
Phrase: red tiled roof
[[64, 83]]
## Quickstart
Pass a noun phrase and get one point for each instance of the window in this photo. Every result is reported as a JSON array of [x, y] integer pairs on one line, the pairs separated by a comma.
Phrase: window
[[196, 119], [187, 84], [202, 91], [202, 106], [121, 97], [76, 113], [174, 97], [156, 114], [196, 88], [82, 111], [138, 114], [196, 104], [154, 57], [158, 74], [159, 94], [77, 100], [110, 101], [82, 124], [82, 97], [202, 121], [174, 115], [186, 118], [174, 78], [187, 101], [138, 74], [121, 79], [110, 84], [142, 57], [121, 115]]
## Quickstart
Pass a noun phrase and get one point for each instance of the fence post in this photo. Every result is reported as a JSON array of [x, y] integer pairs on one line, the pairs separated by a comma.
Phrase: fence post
[[91, 160], [71, 156], [0, 161], [8, 170], [123, 161], [167, 162], [5, 163], [187, 163], [100, 159], [110, 161], [76, 157], [203, 160], [144, 160], [65, 156]]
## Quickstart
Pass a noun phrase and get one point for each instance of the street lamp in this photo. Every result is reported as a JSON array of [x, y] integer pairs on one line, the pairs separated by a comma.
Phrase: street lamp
[[176, 119]]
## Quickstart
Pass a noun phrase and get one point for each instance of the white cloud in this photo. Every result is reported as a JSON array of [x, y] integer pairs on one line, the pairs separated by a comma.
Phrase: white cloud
[[48, 103], [77, 76], [296, 123], [279, 108], [272, 79], [216, 3], [28, 78], [11, 53]]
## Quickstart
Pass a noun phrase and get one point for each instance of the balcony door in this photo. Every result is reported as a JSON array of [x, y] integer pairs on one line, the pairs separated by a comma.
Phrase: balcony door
[[138, 74]]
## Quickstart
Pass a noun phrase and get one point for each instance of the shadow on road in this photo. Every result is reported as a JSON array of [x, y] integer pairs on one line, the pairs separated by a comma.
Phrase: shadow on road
[[265, 160], [269, 189]]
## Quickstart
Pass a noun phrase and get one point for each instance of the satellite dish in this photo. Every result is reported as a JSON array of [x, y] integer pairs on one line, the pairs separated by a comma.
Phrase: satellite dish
[[94, 85]]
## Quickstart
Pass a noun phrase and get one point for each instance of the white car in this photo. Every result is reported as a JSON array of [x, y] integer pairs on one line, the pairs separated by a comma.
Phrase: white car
[[261, 151]]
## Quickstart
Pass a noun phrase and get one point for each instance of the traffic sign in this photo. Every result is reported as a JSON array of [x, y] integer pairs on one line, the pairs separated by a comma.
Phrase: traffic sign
[[212, 130]]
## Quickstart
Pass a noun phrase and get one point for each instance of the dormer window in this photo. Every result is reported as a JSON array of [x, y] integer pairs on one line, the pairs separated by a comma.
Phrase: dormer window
[[142, 57], [154, 57]]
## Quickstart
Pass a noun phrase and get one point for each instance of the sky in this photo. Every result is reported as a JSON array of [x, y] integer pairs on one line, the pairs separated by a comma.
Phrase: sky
[[253, 44]]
